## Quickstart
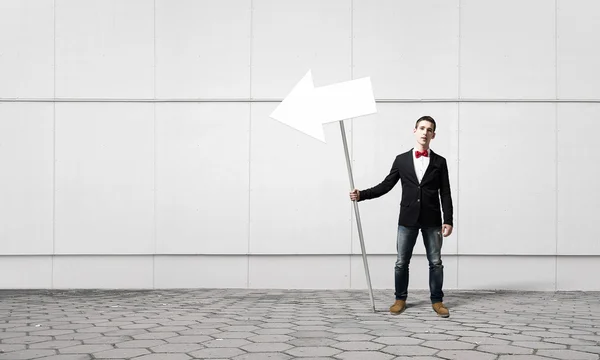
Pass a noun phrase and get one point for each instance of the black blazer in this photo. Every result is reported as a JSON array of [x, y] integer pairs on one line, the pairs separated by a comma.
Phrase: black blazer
[[420, 204]]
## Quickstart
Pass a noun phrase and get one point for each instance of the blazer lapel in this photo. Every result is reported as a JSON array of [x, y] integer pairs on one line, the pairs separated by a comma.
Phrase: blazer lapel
[[432, 163], [410, 162]]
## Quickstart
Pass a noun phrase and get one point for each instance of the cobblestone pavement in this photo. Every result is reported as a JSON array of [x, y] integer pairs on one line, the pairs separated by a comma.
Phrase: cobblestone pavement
[[276, 324]]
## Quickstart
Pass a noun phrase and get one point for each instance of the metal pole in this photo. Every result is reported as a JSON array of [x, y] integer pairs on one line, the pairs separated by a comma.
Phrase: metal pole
[[359, 226]]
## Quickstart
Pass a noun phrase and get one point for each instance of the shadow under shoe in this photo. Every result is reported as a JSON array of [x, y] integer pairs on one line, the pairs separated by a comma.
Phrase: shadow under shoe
[[398, 307], [440, 309]]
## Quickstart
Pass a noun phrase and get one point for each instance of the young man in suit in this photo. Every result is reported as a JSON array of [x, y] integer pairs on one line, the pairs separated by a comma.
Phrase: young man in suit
[[424, 179]]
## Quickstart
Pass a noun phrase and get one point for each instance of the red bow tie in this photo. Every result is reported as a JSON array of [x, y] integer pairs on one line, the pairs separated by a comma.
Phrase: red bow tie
[[418, 154]]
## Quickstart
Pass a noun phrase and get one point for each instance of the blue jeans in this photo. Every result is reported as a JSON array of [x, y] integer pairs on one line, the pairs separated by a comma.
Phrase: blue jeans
[[407, 238]]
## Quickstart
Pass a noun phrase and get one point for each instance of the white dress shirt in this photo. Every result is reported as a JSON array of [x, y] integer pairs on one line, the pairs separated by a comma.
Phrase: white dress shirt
[[421, 163]]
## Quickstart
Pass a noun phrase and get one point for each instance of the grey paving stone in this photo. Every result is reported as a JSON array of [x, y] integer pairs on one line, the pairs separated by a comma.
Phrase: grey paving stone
[[234, 335], [517, 337], [468, 333], [27, 354], [313, 351], [544, 334], [199, 331], [26, 339], [138, 326], [104, 340], [585, 348], [239, 328], [448, 345], [8, 335], [522, 357], [354, 337], [216, 353], [97, 329], [263, 356], [11, 347], [188, 339], [349, 330], [538, 345], [225, 343], [363, 355], [269, 338], [570, 341], [310, 334], [595, 338], [398, 340], [505, 349], [53, 344], [140, 343], [274, 331], [85, 349], [412, 350], [266, 347], [52, 332], [67, 357], [164, 357], [120, 353], [176, 348], [465, 355], [568, 354], [276, 325], [434, 336], [155, 336], [312, 342], [311, 328]]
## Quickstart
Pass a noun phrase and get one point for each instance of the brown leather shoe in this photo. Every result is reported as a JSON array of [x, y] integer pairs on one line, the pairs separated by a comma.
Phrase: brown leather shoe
[[398, 307], [440, 309]]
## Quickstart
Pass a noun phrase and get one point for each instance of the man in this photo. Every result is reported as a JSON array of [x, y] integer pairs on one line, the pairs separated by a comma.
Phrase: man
[[424, 179]]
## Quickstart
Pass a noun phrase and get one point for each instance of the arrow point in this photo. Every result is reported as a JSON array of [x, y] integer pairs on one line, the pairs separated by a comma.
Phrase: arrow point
[[301, 90]]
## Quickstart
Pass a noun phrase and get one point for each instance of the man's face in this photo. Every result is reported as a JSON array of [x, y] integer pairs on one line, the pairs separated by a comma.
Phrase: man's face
[[424, 133]]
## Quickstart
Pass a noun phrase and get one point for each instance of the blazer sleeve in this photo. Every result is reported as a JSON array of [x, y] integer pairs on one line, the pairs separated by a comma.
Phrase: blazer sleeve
[[445, 195], [384, 187]]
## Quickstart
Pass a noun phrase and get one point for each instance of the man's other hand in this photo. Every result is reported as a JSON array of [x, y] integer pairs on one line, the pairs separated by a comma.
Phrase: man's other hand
[[446, 230], [354, 195]]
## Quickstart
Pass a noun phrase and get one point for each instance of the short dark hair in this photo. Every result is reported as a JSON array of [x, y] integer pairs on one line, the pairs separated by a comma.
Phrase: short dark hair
[[426, 118]]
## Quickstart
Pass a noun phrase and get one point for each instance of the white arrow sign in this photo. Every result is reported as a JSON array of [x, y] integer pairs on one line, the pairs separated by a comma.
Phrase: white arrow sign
[[307, 108]]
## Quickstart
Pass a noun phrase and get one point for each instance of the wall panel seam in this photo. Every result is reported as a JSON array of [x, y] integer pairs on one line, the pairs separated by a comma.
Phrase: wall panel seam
[[274, 100], [53, 147], [556, 143], [249, 143], [458, 148]]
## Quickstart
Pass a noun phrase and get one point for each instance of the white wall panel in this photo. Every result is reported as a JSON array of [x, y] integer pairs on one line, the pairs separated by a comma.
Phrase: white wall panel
[[102, 272], [577, 273], [299, 272], [203, 48], [578, 56], [507, 179], [502, 55], [377, 140], [409, 48], [382, 270], [201, 271], [104, 178], [202, 178], [26, 155], [25, 272], [578, 173], [298, 189], [507, 272], [104, 49], [26, 48], [291, 37]]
